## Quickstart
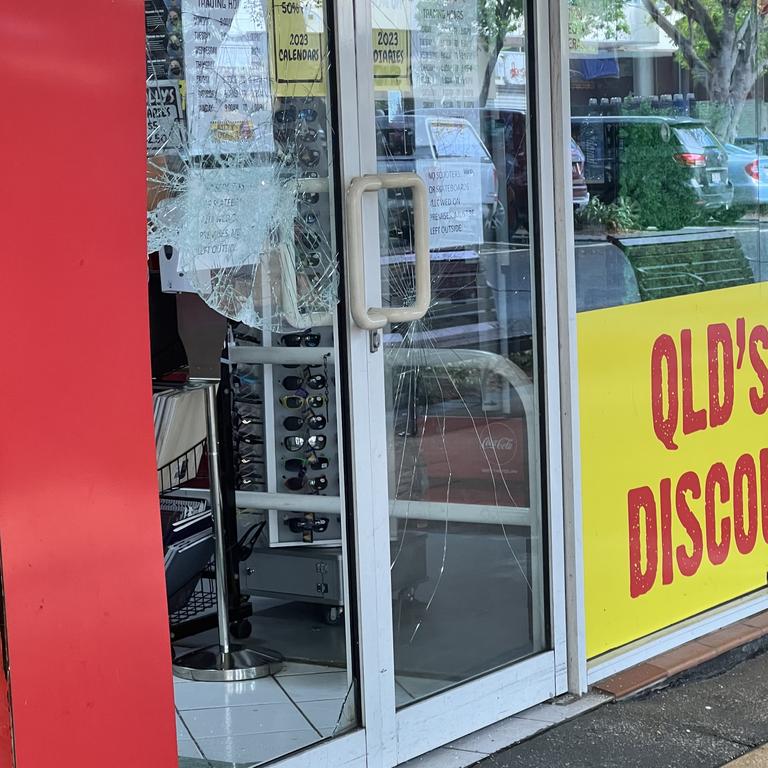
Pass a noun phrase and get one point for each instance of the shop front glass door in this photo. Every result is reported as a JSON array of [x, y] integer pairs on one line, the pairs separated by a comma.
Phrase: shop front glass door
[[467, 541], [243, 251]]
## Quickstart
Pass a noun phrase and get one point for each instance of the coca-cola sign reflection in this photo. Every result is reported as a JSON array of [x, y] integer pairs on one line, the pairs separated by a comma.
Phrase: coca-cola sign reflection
[[500, 440], [476, 460]]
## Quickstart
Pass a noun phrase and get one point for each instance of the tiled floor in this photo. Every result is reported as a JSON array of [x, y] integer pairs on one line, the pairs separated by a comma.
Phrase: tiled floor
[[262, 719], [259, 720]]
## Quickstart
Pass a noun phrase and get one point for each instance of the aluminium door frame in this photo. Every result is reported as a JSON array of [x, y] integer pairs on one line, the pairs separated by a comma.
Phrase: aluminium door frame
[[389, 738], [436, 721]]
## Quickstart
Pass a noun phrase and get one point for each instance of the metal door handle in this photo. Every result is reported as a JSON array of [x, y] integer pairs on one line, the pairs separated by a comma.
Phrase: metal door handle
[[373, 318]]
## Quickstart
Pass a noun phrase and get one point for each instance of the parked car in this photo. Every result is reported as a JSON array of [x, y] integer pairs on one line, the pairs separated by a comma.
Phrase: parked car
[[605, 142], [758, 144], [748, 173], [514, 125]]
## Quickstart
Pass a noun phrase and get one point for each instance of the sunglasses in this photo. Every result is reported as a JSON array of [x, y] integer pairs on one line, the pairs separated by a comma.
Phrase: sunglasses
[[318, 381], [286, 115], [309, 260], [251, 338], [246, 460], [301, 482], [300, 340], [295, 423], [295, 402], [247, 389], [247, 419], [294, 443], [245, 482], [283, 135], [250, 439], [309, 219], [290, 114], [308, 240], [311, 462], [308, 158], [308, 525]]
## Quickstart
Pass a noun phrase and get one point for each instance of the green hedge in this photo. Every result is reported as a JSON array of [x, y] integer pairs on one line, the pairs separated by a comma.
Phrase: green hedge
[[650, 177]]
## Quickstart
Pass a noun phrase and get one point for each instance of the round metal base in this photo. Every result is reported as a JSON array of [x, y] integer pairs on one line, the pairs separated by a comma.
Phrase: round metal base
[[211, 665]]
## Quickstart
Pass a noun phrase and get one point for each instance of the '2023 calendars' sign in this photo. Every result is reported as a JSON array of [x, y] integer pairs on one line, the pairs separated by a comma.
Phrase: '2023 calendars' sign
[[674, 430]]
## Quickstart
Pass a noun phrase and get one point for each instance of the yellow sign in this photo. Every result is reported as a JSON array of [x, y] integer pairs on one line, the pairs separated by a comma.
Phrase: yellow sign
[[674, 430], [297, 48], [391, 59]]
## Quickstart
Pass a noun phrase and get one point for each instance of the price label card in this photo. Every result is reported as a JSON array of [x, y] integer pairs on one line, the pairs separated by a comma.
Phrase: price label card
[[391, 59], [298, 48]]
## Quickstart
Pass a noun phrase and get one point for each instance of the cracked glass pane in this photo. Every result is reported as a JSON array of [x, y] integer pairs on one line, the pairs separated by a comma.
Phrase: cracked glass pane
[[467, 536], [242, 212], [236, 154]]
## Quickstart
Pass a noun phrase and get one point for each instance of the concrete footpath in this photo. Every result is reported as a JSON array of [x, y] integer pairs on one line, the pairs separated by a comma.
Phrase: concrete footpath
[[705, 718], [758, 758]]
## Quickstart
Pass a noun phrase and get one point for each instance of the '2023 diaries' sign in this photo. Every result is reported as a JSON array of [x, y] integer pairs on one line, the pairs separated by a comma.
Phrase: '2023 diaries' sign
[[674, 430]]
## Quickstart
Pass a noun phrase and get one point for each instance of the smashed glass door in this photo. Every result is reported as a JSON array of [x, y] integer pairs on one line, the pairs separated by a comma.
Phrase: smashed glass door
[[463, 421], [242, 237]]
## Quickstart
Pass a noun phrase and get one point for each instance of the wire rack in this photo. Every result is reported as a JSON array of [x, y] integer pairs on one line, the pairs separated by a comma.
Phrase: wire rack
[[201, 599], [187, 470]]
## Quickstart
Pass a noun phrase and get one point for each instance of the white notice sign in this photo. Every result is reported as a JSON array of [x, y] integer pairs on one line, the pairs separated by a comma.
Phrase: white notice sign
[[455, 203], [445, 54], [229, 102], [219, 229]]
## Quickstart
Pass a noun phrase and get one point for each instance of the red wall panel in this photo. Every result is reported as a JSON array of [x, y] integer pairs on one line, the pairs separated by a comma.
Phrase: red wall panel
[[79, 525]]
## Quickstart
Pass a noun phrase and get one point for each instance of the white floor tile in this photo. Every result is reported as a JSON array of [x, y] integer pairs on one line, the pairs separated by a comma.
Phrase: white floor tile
[[297, 668], [331, 685], [195, 695], [322, 714], [187, 748], [553, 713], [235, 721], [401, 695], [526, 724], [256, 748], [181, 732], [419, 687], [498, 736]]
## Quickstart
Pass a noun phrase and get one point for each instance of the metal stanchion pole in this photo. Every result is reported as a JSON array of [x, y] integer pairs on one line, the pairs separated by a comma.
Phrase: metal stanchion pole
[[224, 661]]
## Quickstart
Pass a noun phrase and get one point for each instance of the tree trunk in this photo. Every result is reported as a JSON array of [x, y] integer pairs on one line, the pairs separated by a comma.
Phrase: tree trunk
[[733, 72], [494, 49]]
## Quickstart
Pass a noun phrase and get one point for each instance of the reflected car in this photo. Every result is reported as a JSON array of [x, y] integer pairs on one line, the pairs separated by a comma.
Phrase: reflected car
[[605, 140], [515, 127], [757, 144], [748, 173]]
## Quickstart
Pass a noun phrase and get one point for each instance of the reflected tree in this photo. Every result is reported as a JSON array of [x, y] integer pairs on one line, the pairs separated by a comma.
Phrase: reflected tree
[[723, 43]]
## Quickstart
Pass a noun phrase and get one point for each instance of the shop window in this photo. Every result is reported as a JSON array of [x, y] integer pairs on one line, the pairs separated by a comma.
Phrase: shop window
[[671, 251]]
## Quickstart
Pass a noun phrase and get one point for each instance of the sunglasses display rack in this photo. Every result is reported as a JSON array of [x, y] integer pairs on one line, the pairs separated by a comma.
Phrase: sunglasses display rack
[[285, 429], [301, 138], [299, 133]]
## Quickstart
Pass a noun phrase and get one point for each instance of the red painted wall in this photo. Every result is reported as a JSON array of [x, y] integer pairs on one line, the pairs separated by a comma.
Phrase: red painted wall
[[79, 524]]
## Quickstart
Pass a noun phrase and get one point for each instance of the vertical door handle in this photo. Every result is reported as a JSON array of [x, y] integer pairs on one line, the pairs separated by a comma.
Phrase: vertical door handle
[[373, 318]]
